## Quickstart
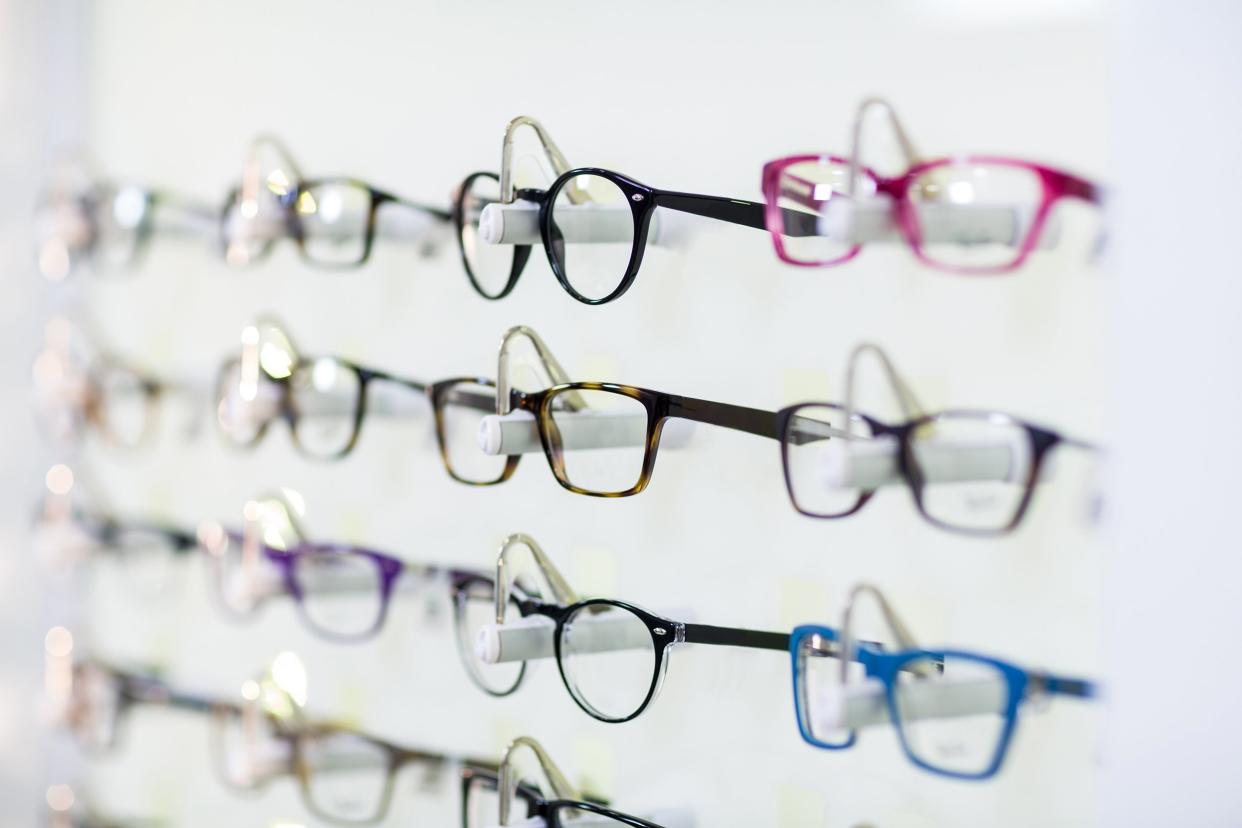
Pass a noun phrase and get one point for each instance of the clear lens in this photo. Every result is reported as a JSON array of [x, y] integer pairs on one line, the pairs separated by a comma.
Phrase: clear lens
[[245, 405], [125, 407], [476, 608], [327, 395], [823, 474], [963, 741], [814, 217], [144, 560], [819, 689], [601, 437], [488, 265], [974, 469], [482, 801], [592, 239], [346, 776], [342, 592], [608, 659], [975, 216], [462, 409], [94, 707], [334, 218]]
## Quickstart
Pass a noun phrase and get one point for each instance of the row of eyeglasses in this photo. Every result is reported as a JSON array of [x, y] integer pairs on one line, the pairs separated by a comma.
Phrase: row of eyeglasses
[[969, 214], [954, 711], [970, 471], [345, 776]]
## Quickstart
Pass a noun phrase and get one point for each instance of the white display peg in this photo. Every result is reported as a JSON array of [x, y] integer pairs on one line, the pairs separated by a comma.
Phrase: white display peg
[[874, 220], [518, 223], [865, 703], [525, 639], [874, 463], [517, 432]]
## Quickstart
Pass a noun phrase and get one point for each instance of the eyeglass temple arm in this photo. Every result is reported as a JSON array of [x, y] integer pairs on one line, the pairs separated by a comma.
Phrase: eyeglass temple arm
[[740, 418], [372, 373], [737, 211], [1040, 683], [559, 585], [910, 405], [561, 787], [550, 150], [735, 637], [905, 640], [554, 374], [903, 138]]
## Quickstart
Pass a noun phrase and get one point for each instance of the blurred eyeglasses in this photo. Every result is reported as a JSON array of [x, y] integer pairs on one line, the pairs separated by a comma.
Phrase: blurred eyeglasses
[[101, 697], [343, 592], [954, 711], [567, 807], [594, 224], [107, 396], [973, 472], [345, 776], [969, 214], [333, 221], [612, 656], [81, 220]]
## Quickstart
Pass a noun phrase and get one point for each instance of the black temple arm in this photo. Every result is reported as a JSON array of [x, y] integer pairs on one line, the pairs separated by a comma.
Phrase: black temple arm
[[733, 637], [736, 211]]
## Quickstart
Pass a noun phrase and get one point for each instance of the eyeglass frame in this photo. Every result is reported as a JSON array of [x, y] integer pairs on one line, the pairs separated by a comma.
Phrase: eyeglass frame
[[1021, 684], [1041, 441], [1055, 185]]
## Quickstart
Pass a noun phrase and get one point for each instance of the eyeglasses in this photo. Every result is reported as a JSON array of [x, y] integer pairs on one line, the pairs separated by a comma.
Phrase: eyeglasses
[[323, 399], [82, 220], [342, 592], [345, 777], [972, 472], [568, 806], [104, 394], [600, 439], [333, 221], [954, 711], [612, 656], [101, 697], [594, 224], [970, 214]]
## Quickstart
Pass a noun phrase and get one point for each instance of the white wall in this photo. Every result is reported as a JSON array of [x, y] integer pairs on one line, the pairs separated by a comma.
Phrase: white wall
[[693, 97]]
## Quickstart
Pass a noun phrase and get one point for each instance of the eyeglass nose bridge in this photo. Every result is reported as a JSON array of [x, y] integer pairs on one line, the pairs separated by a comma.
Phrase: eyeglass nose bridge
[[548, 365], [561, 786], [561, 590]]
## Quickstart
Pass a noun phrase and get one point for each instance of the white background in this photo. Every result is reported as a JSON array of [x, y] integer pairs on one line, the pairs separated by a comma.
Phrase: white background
[[695, 97]]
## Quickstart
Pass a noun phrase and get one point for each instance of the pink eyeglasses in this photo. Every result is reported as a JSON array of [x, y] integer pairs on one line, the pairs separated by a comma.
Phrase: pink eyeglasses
[[970, 214]]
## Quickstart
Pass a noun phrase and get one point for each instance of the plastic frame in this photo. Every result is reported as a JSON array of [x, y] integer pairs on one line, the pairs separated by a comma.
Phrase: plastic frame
[[293, 227], [1055, 185], [643, 201], [1041, 441], [1021, 685], [660, 407]]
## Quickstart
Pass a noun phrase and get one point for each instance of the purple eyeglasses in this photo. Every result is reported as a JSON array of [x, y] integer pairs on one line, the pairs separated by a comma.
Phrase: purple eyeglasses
[[342, 592], [968, 214]]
